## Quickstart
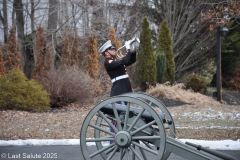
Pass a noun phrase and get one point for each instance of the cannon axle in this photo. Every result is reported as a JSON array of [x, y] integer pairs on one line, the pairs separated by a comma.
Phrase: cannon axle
[[123, 139]]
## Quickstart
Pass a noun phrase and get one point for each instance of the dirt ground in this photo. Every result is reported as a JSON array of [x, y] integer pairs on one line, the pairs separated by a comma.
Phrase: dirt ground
[[228, 98], [207, 121], [231, 98]]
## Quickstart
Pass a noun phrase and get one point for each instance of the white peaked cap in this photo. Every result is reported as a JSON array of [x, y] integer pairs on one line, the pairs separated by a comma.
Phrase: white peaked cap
[[106, 45]]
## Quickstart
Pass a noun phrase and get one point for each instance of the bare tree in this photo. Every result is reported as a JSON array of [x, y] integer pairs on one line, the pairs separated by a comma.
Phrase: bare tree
[[33, 29], [193, 43], [194, 40], [52, 26], [20, 31], [4, 19]]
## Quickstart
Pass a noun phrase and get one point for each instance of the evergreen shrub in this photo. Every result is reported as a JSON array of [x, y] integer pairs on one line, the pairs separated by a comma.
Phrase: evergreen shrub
[[165, 44], [17, 92], [161, 66], [208, 71], [146, 72], [196, 83]]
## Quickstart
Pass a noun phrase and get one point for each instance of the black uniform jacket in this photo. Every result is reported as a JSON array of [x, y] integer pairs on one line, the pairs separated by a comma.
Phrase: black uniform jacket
[[117, 68]]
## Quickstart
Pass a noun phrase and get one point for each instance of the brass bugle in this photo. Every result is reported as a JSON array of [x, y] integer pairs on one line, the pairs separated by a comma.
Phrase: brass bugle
[[119, 54]]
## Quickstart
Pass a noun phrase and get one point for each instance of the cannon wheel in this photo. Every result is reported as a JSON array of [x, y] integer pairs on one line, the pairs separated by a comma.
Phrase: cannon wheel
[[152, 101], [125, 140]]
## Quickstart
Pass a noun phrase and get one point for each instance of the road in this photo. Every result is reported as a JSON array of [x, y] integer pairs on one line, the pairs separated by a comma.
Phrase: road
[[71, 152]]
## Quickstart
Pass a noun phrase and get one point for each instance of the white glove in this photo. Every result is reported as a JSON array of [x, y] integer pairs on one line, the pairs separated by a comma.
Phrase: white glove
[[127, 45]]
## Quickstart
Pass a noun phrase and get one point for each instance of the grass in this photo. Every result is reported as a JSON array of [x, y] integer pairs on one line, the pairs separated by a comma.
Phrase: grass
[[203, 117], [214, 89], [206, 122]]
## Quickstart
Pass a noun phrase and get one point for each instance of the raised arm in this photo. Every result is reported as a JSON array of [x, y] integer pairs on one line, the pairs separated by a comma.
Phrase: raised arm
[[129, 59]]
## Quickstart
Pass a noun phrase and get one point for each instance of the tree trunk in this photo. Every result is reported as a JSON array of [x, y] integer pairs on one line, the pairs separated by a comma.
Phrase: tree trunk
[[20, 31], [52, 27], [5, 20], [32, 14]]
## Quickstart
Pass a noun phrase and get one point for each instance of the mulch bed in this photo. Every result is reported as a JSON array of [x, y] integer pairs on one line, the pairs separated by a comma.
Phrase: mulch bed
[[228, 97]]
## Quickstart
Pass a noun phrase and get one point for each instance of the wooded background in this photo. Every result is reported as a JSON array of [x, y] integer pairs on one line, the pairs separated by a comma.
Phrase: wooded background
[[191, 25]]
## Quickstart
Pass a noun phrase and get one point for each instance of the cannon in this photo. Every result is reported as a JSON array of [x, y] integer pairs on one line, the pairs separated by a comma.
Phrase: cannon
[[143, 126]]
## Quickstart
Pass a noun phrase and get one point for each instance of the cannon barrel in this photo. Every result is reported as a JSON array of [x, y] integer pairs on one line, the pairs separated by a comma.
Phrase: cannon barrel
[[107, 109], [212, 152]]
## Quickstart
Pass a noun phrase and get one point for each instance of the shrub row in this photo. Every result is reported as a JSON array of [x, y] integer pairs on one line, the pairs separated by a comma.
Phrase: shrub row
[[56, 89], [17, 92]]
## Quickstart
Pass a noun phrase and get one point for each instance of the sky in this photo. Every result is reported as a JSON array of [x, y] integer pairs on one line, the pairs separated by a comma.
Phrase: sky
[[216, 145]]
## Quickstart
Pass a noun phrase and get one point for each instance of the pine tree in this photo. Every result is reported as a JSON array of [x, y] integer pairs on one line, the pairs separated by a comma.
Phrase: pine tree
[[230, 51], [165, 45], [38, 70], [161, 66], [119, 44], [145, 73], [75, 50], [70, 51], [113, 37], [2, 68], [13, 60], [48, 58], [91, 66], [66, 51]]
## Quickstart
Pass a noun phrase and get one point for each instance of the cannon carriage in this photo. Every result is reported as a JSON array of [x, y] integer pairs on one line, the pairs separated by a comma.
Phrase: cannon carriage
[[142, 126]]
